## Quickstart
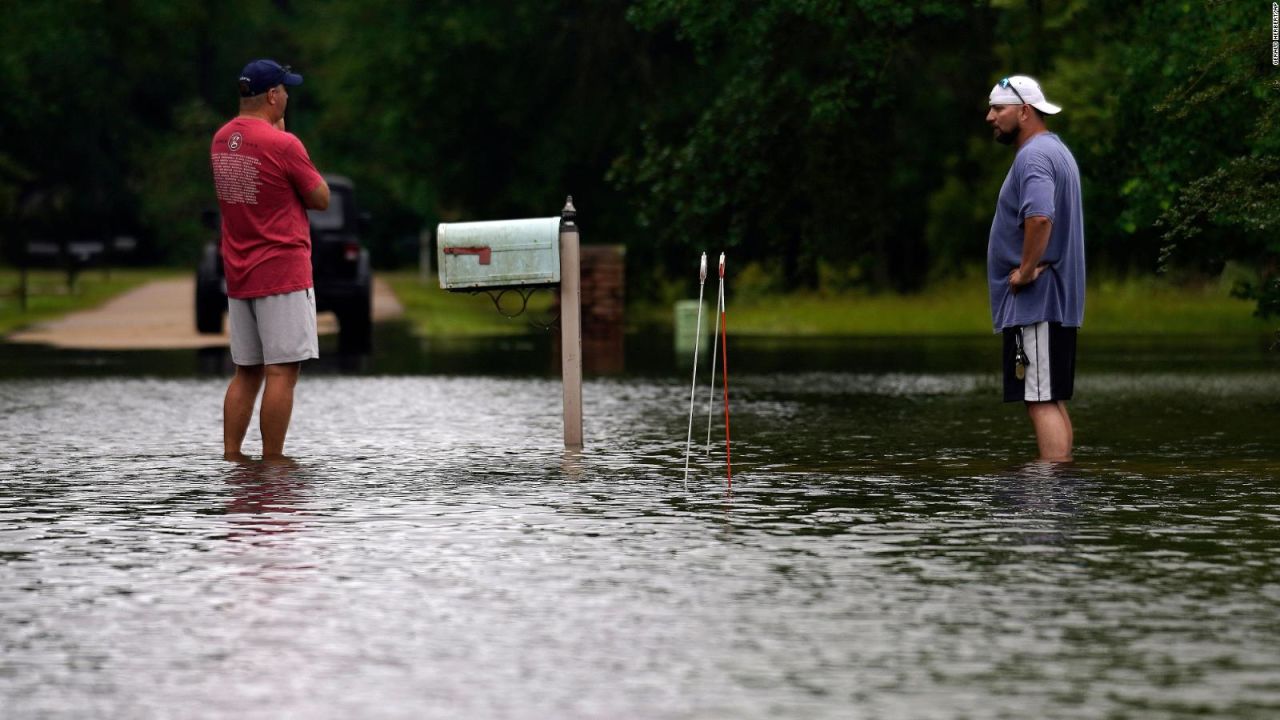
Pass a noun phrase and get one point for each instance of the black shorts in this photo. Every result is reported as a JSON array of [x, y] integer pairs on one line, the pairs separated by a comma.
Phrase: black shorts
[[1051, 370]]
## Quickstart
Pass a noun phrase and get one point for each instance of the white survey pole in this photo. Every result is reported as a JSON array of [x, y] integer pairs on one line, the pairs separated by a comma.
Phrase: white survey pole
[[693, 388], [571, 326]]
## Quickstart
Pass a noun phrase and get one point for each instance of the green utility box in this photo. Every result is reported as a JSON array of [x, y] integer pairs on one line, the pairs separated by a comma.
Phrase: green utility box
[[501, 253], [686, 328]]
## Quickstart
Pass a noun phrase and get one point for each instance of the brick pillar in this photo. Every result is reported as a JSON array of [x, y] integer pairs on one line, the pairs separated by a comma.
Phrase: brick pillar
[[603, 308]]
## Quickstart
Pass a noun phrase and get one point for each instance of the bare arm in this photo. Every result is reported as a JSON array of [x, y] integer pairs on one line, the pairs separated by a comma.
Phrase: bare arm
[[1035, 240], [318, 197]]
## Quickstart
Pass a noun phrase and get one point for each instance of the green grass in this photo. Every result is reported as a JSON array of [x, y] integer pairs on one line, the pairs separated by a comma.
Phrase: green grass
[[48, 295], [957, 307], [438, 313], [1137, 306]]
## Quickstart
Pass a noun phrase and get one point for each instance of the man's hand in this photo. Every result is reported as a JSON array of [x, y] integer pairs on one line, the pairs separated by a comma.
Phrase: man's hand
[[1035, 241], [1018, 279], [317, 198]]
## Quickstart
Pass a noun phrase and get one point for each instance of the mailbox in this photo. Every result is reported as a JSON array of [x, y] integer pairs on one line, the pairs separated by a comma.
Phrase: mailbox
[[501, 253], [525, 253]]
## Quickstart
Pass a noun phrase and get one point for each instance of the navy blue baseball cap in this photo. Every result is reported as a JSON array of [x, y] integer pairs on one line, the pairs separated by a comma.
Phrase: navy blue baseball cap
[[260, 76]]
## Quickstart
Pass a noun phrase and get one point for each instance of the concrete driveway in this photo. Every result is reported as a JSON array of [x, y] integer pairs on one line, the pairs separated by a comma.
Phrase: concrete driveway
[[161, 316]]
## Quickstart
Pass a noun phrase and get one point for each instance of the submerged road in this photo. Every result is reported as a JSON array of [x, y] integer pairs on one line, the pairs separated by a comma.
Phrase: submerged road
[[161, 316]]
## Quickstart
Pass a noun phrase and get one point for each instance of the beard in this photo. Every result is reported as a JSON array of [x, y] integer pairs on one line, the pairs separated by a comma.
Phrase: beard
[[1006, 138]]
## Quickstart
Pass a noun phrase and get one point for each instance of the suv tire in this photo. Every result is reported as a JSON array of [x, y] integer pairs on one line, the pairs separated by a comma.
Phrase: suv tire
[[210, 301], [355, 317]]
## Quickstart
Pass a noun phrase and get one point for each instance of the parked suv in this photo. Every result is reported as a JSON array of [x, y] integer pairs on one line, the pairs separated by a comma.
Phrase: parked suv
[[339, 269]]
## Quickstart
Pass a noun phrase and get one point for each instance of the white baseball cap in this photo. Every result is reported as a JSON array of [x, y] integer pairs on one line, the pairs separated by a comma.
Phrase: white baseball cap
[[1022, 90]]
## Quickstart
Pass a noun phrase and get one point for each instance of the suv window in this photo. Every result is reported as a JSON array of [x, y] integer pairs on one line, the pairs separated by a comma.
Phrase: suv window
[[332, 218]]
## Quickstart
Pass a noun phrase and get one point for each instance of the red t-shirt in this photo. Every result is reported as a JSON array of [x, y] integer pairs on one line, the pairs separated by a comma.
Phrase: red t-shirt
[[260, 174]]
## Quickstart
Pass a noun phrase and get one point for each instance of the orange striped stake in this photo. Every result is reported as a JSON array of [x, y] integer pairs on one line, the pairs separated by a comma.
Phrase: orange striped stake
[[724, 356]]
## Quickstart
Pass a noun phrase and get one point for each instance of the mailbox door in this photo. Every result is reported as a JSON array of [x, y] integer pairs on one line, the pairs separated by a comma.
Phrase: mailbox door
[[500, 253]]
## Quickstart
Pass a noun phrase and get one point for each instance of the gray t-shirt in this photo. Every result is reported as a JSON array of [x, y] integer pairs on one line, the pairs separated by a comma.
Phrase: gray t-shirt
[[1043, 180]]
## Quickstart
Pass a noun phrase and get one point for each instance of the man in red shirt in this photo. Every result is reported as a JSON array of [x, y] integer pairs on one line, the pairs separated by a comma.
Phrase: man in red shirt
[[265, 183]]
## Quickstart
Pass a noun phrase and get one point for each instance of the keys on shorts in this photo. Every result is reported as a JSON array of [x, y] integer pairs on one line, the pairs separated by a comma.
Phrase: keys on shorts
[[1020, 361]]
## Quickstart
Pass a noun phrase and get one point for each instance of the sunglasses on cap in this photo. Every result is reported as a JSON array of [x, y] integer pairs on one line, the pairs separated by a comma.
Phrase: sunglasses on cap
[[284, 73], [1004, 83]]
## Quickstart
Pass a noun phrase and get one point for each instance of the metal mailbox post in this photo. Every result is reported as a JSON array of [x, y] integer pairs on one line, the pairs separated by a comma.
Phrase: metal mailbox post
[[525, 253]]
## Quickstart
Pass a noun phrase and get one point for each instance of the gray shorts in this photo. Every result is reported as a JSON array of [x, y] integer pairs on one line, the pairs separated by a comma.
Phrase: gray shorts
[[274, 329]]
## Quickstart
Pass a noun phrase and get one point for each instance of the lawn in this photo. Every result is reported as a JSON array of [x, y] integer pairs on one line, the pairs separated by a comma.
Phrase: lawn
[[440, 313], [1138, 306]]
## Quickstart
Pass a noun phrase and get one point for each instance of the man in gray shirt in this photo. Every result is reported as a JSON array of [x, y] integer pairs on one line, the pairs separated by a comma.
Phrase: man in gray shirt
[[1035, 263]]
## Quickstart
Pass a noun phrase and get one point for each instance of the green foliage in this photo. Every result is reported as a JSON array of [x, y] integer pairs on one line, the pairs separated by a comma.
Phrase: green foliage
[[958, 212], [470, 111], [99, 95], [168, 200], [798, 131], [755, 280], [67, 179], [1231, 208], [1184, 122]]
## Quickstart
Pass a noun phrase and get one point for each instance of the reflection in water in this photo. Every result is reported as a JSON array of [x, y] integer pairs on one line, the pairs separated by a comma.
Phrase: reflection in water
[[604, 354], [1046, 500], [264, 496], [571, 464]]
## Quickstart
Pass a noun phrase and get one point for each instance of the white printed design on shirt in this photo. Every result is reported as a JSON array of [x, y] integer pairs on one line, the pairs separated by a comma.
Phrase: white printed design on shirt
[[236, 178]]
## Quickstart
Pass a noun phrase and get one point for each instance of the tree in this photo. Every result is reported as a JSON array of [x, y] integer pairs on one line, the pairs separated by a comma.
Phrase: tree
[[468, 111], [801, 132], [115, 110], [1231, 210]]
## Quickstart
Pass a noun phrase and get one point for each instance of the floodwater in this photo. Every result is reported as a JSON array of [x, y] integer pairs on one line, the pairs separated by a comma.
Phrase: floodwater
[[884, 552]]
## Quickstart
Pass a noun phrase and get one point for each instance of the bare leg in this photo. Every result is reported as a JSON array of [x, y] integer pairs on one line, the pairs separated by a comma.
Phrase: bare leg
[[237, 408], [1053, 430], [1071, 432], [277, 407]]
